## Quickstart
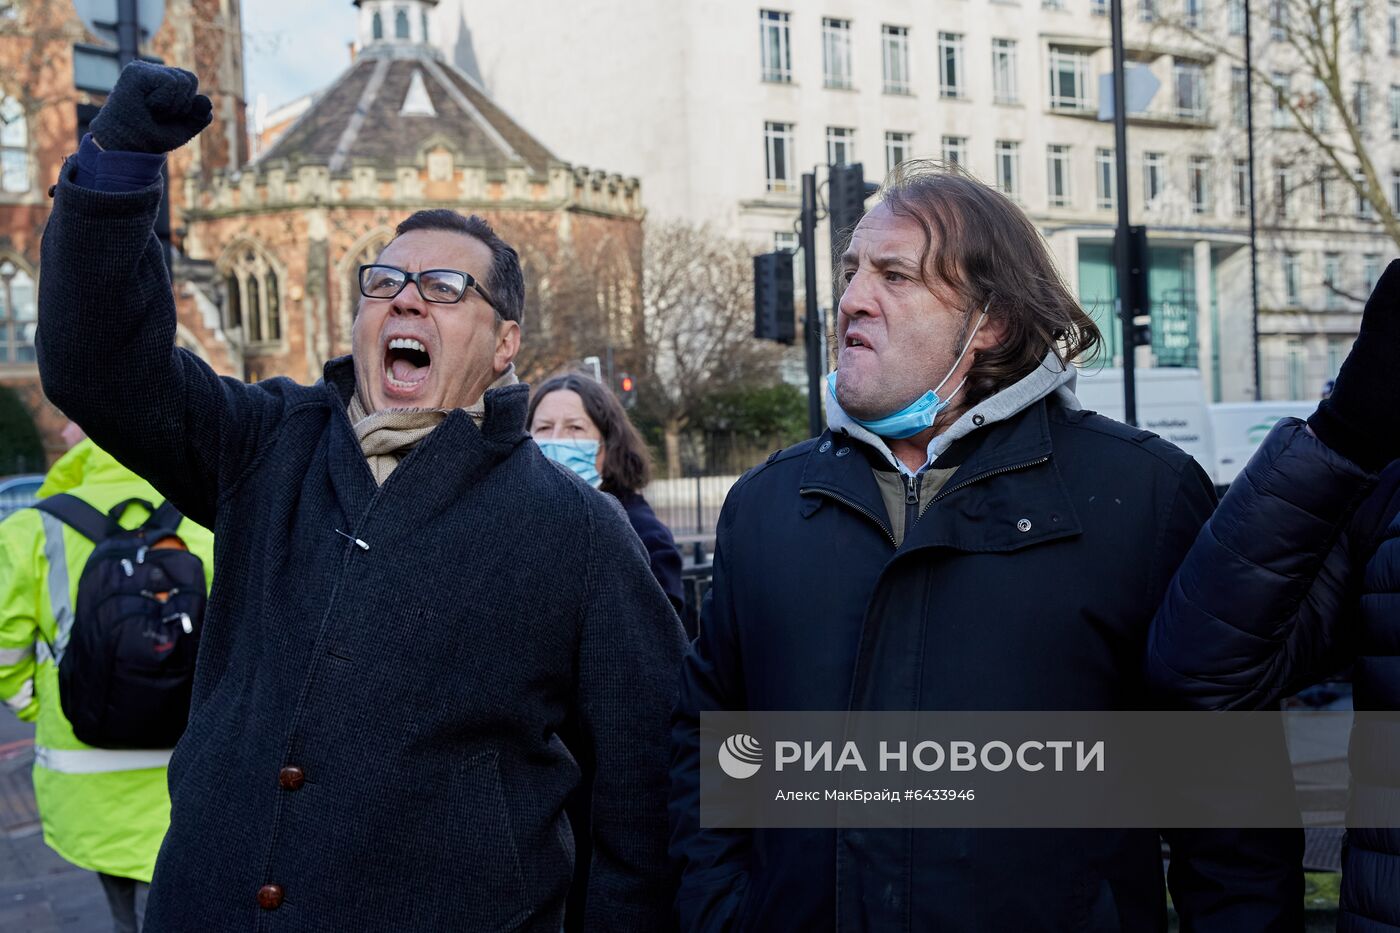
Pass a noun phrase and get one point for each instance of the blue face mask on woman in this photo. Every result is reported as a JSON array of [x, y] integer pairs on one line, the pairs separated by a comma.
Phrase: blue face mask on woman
[[919, 414], [581, 456]]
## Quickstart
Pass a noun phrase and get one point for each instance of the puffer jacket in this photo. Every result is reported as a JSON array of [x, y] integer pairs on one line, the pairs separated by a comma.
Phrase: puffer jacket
[[103, 810], [1285, 586]]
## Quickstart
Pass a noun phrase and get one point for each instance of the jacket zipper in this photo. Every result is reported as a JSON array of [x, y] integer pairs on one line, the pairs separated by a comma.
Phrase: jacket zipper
[[982, 476], [912, 485], [859, 508]]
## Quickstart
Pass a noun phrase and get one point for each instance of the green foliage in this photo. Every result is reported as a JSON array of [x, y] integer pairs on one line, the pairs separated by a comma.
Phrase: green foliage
[[21, 449], [775, 415]]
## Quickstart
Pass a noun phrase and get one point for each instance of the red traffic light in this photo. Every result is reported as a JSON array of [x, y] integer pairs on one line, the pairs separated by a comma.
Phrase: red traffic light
[[627, 383]]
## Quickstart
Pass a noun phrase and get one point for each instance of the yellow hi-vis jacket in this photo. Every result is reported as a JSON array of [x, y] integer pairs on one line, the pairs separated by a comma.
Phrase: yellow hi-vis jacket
[[103, 810]]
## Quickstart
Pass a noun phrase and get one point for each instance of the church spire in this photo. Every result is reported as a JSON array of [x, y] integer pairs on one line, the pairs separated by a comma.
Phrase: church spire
[[397, 22]]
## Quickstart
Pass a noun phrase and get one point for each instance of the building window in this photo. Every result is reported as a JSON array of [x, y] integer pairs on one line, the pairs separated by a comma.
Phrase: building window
[[897, 149], [1154, 175], [775, 51], [1278, 20], [1105, 180], [19, 314], [1326, 197], [1395, 111], [254, 298], [1240, 179], [377, 26], [1395, 192], [1190, 80], [1370, 270], [1234, 11], [1098, 7], [1280, 82], [1282, 189], [1069, 79], [14, 147], [840, 145], [400, 23], [777, 147], [423, 24], [1008, 158], [895, 43], [1358, 27], [785, 241], [1296, 366], [1361, 104], [1191, 13], [836, 52], [1322, 110], [1331, 280], [1364, 209], [1392, 27], [1004, 71], [1052, 4], [1147, 10], [1292, 280], [950, 76], [1057, 177], [955, 150], [1239, 97], [1198, 173]]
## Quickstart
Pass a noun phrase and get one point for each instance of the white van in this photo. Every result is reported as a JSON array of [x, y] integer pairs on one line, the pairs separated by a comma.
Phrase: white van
[[1171, 402]]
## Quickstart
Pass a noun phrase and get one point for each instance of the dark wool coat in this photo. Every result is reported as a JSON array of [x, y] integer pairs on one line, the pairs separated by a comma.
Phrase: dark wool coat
[[1028, 583], [660, 545], [374, 726], [1290, 583]]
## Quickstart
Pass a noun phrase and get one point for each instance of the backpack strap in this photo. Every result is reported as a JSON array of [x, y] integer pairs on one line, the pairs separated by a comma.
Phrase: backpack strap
[[83, 518], [165, 518]]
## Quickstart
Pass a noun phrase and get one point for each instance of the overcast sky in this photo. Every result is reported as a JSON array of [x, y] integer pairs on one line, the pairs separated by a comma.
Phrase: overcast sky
[[294, 47]]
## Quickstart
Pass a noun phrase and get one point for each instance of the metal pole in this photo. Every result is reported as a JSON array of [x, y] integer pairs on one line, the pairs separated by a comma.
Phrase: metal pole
[[1120, 252], [1253, 213], [813, 327], [128, 32]]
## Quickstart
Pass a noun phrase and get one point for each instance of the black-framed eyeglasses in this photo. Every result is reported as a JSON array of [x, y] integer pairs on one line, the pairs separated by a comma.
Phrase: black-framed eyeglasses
[[440, 286]]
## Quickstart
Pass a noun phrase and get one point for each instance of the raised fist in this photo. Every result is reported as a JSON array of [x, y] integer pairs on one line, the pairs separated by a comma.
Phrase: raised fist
[[152, 109], [1361, 419]]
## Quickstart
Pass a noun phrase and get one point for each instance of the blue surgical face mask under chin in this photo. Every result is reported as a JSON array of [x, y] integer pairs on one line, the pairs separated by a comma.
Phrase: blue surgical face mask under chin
[[581, 456], [918, 415]]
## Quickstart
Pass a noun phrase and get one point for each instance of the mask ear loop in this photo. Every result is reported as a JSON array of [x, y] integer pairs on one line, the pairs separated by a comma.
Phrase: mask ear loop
[[966, 346]]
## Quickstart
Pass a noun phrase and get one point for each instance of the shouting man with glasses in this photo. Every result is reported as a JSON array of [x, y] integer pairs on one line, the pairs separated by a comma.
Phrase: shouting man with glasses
[[409, 601]]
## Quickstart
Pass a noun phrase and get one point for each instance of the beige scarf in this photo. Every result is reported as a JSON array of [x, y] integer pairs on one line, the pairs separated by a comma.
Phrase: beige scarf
[[387, 436]]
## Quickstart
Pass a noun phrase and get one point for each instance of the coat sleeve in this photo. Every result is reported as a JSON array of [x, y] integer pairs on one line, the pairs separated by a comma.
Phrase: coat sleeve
[[1259, 606], [1224, 880], [713, 862], [19, 622], [108, 360], [629, 657]]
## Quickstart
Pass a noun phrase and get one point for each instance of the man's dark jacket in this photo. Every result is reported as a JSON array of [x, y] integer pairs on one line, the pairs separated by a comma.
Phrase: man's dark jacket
[[416, 681], [1289, 583], [1028, 583]]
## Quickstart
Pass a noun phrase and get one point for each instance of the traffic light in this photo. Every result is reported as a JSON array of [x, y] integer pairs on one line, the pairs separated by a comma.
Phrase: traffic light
[[627, 390], [1138, 303], [773, 297], [845, 200]]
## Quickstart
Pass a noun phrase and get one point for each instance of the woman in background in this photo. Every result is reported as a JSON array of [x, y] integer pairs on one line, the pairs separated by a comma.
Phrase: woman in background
[[580, 424]]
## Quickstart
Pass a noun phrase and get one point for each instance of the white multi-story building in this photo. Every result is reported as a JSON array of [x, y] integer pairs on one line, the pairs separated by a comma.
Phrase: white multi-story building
[[719, 106]]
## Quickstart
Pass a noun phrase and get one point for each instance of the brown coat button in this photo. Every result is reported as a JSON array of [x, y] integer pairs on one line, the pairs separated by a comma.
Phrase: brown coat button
[[291, 777], [270, 896]]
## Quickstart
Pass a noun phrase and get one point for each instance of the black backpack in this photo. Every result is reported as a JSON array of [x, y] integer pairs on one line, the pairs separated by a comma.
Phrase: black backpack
[[125, 675]]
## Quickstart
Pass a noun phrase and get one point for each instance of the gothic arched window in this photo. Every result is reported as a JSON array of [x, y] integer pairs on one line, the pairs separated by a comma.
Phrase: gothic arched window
[[377, 26], [400, 23], [254, 298], [19, 312], [14, 147]]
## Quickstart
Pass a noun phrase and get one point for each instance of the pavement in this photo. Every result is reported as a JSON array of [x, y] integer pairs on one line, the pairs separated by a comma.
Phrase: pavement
[[39, 892]]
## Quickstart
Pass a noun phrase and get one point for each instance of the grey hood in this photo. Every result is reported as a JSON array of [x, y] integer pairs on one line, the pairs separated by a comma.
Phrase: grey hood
[[1051, 377]]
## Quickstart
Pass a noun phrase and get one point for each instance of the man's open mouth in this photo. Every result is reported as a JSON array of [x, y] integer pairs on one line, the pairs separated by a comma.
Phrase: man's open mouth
[[406, 362]]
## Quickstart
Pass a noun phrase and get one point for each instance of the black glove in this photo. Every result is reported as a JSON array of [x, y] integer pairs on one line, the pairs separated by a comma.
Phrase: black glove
[[1361, 419], [152, 109]]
